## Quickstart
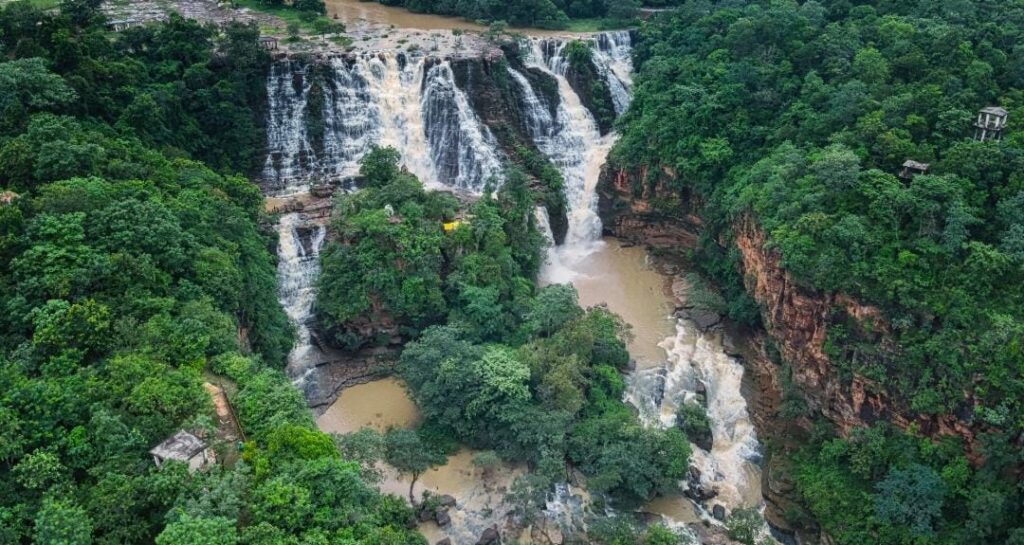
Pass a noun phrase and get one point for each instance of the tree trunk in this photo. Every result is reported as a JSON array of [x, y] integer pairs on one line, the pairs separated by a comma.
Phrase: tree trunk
[[412, 499]]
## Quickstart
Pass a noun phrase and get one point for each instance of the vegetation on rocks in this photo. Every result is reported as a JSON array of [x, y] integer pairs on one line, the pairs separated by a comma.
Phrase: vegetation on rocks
[[797, 117], [132, 268]]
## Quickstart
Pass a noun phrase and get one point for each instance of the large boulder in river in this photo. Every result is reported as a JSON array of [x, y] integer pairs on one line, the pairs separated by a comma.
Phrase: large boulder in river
[[718, 511], [489, 537], [445, 541], [446, 501], [442, 518]]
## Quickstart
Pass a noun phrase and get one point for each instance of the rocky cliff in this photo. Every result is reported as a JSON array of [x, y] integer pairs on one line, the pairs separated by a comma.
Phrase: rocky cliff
[[640, 207], [796, 318]]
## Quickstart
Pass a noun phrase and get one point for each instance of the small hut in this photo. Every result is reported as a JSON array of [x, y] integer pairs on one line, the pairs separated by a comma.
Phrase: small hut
[[990, 124], [912, 168], [268, 42], [119, 25], [185, 448]]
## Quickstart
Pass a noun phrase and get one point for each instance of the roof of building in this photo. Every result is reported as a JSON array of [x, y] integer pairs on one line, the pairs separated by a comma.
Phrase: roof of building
[[995, 110], [910, 163], [181, 446]]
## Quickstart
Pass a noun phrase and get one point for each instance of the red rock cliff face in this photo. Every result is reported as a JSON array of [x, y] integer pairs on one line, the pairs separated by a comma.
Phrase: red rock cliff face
[[795, 318], [798, 318], [635, 217]]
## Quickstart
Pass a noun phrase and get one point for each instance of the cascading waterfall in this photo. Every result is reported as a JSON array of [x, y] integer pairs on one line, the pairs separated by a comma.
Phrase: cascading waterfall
[[696, 364], [463, 149], [298, 266], [571, 141], [289, 150], [414, 105], [387, 100], [614, 59], [699, 371]]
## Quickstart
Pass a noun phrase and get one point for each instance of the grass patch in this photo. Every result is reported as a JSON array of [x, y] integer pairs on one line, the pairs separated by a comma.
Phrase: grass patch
[[41, 4], [305, 22], [597, 24]]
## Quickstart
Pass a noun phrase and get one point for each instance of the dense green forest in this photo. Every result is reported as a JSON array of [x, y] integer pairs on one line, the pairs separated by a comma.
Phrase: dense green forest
[[132, 266], [797, 116], [497, 364]]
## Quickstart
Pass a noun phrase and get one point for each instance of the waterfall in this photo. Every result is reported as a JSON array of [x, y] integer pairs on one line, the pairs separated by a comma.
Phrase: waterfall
[[412, 105], [463, 149], [699, 371], [614, 59], [572, 141], [288, 147], [298, 266]]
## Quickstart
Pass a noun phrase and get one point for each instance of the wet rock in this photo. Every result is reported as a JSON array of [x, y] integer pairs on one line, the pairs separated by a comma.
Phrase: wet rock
[[446, 501], [718, 511], [701, 390], [442, 518], [445, 541], [489, 537], [704, 319], [695, 489], [729, 347], [424, 515]]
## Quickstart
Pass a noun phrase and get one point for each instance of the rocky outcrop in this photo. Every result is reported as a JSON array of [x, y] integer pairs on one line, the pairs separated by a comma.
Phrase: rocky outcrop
[[798, 319], [640, 214], [497, 101], [593, 91]]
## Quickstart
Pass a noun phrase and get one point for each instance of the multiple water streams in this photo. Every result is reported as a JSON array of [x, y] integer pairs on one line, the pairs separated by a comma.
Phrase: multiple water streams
[[413, 104]]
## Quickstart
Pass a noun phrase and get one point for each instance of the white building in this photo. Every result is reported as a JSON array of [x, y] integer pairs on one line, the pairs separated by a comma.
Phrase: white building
[[183, 447]]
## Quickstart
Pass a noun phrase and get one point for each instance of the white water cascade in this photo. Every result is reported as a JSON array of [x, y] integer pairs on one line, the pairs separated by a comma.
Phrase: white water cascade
[[699, 371], [298, 266], [695, 365], [572, 141], [411, 104]]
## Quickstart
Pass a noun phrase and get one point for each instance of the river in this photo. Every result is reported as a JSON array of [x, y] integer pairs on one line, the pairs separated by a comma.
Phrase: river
[[387, 98]]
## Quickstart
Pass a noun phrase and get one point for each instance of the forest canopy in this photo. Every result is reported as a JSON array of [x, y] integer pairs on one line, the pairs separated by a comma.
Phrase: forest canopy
[[795, 119], [133, 269]]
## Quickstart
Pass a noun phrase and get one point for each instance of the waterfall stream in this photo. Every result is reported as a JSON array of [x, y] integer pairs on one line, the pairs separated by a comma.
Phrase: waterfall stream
[[413, 104], [298, 266]]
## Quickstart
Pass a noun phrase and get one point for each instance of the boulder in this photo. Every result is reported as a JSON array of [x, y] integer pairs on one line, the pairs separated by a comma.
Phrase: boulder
[[489, 537], [695, 489], [442, 518], [445, 541], [718, 511], [446, 501]]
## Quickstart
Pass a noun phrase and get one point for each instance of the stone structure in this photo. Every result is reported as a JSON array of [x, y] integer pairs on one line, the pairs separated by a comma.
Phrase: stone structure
[[268, 42], [990, 124], [183, 447], [122, 24], [912, 168]]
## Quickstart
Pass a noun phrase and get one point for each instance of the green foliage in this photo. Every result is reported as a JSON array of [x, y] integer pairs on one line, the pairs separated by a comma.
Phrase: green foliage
[[557, 396], [793, 119], [392, 266], [694, 421], [127, 271]]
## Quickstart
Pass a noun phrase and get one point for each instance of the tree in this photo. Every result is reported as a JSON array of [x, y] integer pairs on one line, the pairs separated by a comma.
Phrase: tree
[[61, 522], [199, 531], [406, 452], [379, 166], [912, 498]]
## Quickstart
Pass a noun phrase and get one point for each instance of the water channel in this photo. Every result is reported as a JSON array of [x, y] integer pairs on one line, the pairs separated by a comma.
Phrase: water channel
[[675, 362]]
